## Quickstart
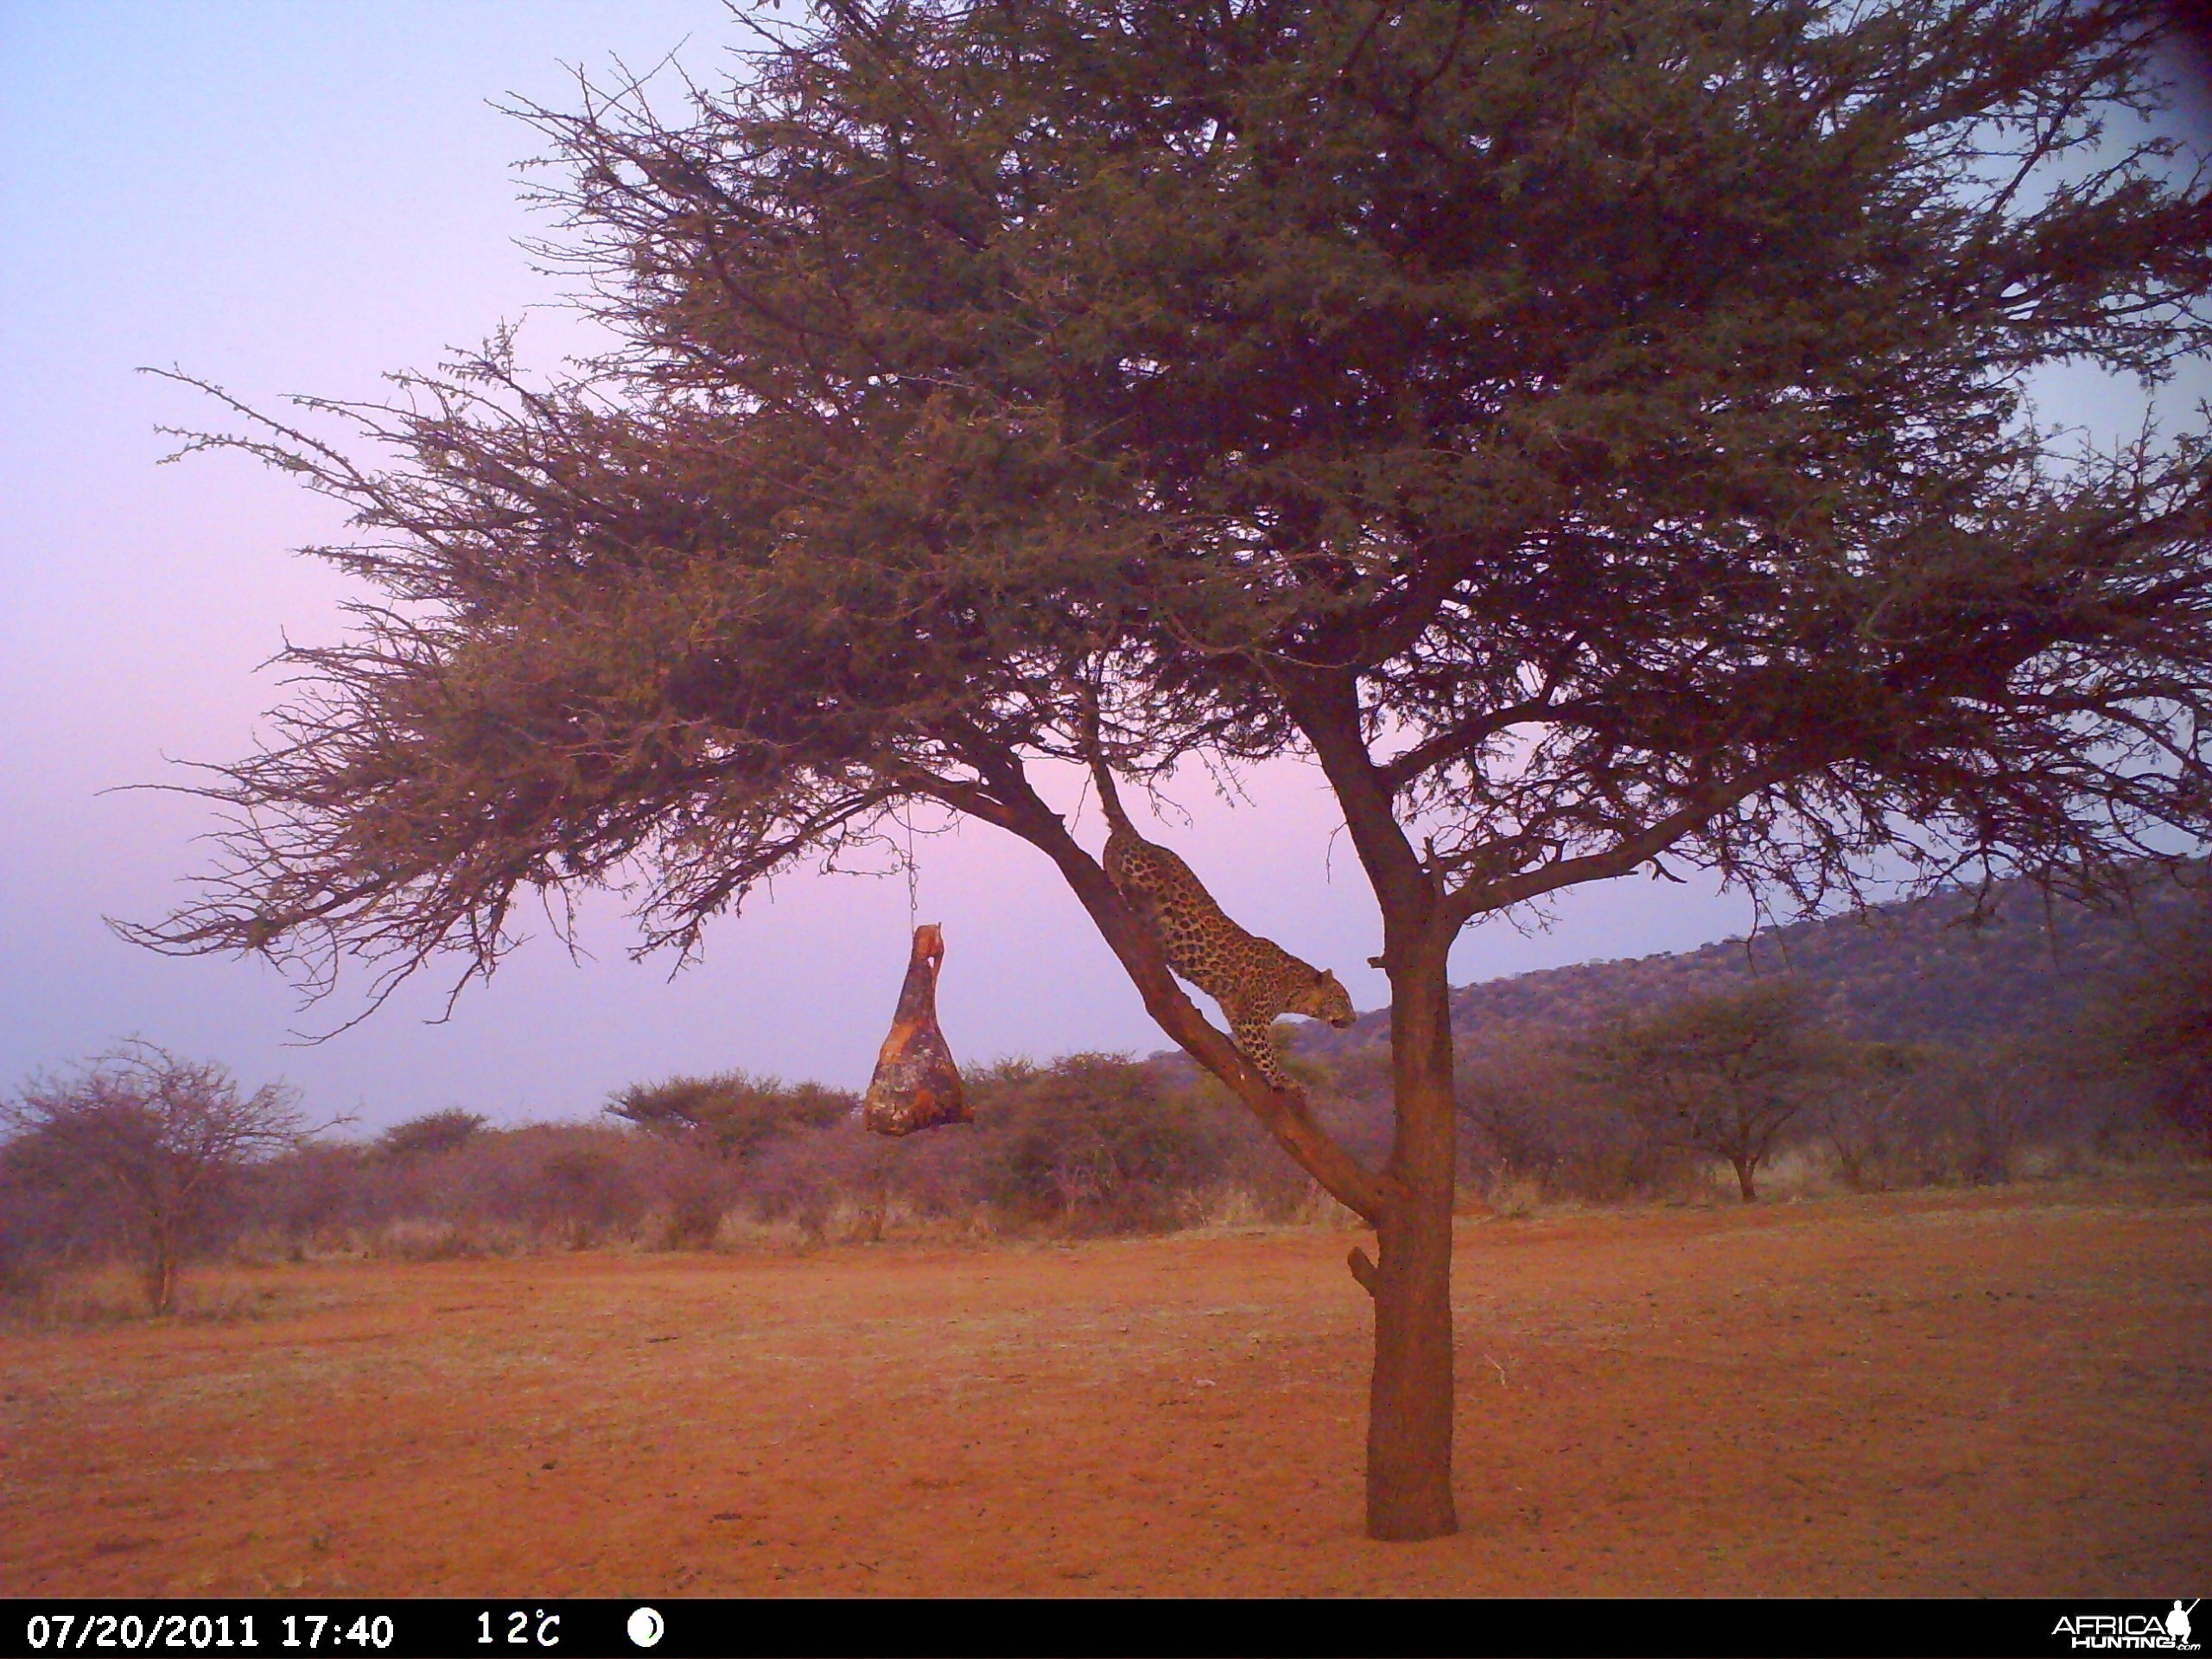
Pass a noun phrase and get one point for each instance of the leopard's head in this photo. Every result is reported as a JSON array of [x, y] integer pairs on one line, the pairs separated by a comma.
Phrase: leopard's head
[[1327, 999]]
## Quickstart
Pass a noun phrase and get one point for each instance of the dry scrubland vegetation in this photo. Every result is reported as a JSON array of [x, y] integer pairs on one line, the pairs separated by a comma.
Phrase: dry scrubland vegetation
[[1091, 1146], [1101, 1340], [2069, 1045]]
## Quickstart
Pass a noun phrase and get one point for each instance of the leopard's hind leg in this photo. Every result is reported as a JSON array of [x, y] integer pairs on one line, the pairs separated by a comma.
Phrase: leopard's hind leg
[[1254, 1033]]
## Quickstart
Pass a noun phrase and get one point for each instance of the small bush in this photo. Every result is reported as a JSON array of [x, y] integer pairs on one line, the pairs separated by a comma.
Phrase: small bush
[[1090, 1144], [733, 1111], [1534, 1128], [430, 1134]]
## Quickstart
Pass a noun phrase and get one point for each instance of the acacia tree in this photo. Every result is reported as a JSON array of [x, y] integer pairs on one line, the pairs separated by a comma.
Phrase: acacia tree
[[158, 1141], [1864, 1114], [1589, 433], [1722, 1075], [2155, 1026], [733, 1112], [432, 1135]]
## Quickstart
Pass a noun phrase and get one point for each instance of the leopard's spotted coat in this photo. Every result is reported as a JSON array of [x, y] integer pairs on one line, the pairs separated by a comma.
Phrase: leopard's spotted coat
[[1253, 979]]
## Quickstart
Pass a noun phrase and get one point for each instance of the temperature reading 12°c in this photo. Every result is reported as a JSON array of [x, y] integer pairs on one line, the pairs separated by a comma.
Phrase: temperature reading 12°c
[[518, 1628]]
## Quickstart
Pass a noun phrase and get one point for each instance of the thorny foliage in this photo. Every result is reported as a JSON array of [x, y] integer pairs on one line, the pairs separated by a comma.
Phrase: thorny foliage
[[155, 1126], [149, 1138], [1595, 431]]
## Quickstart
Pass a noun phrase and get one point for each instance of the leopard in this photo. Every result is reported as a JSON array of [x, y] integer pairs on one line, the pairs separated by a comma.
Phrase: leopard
[[1253, 979]]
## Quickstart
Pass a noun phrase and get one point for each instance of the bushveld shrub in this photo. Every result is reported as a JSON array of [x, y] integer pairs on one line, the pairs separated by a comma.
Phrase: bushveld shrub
[[736, 1138], [430, 1134], [141, 1153], [1534, 1126], [1537, 1124], [314, 1197], [734, 1112], [2152, 1029], [1093, 1144], [31, 1231], [34, 1223], [1722, 1074], [1090, 1144], [545, 1185]]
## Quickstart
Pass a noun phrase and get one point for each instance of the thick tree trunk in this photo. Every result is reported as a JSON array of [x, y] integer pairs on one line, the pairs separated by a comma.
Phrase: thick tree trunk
[[1743, 1168], [1410, 1397]]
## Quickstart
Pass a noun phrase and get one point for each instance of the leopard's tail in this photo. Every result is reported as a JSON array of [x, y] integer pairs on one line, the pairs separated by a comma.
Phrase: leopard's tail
[[1108, 797]]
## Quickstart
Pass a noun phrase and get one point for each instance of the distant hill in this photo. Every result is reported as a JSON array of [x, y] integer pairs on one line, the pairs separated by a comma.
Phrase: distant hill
[[1920, 972]]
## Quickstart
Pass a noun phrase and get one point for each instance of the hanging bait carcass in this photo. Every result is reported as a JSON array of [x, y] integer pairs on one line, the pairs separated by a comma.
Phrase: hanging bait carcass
[[916, 1084]]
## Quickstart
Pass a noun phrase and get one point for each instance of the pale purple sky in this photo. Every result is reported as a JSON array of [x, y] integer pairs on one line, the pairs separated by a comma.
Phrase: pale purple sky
[[286, 198]]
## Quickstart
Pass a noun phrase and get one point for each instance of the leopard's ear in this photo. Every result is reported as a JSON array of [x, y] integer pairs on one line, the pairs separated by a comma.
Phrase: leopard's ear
[[1325, 976]]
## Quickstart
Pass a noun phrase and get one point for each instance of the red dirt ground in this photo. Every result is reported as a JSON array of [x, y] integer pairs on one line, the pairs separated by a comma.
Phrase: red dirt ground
[[2000, 1393]]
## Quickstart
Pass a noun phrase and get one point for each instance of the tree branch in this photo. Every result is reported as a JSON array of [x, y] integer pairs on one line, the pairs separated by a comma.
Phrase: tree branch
[[1021, 811], [1404, 768], [1462, 904], [1326, 707]]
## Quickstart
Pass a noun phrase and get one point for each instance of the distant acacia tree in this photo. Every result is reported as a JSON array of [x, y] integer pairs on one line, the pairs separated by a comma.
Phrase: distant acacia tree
[[1722, 1075], [431, 1134], [1863, 1114], [732, 1111], [2157, 1027], [158, 1141], [1590, 434]]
